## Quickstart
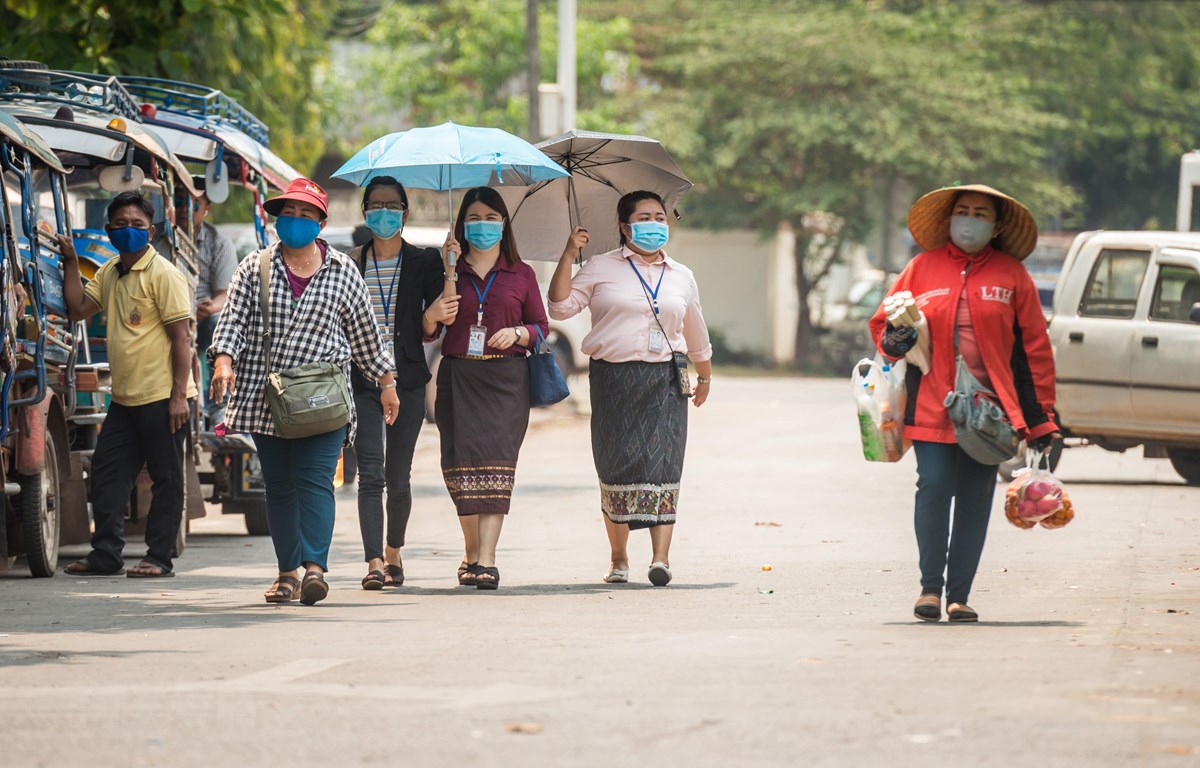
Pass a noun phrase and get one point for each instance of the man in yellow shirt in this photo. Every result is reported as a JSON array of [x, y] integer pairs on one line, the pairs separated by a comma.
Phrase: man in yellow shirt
[[149, 308]]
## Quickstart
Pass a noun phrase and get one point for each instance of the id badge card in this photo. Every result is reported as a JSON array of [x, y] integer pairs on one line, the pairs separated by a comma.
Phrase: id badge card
[[477, 340], [658, 339]]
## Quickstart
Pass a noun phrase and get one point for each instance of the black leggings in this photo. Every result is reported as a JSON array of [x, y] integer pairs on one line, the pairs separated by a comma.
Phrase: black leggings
[[385, 455]]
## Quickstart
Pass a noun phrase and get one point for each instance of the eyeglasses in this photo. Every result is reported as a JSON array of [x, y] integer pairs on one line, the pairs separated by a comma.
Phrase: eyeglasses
[[377, 206]]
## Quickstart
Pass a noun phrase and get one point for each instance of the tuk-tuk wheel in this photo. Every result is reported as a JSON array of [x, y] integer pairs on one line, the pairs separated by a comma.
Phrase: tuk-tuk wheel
[[38, 502]]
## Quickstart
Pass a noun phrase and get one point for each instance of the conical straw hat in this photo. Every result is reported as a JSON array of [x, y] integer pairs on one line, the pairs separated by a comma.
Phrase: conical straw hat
[[929, 220]]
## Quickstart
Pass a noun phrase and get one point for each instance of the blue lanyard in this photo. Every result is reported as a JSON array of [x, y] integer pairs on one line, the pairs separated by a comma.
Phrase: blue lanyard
[[482, 296], [653, 293], [386, 299]]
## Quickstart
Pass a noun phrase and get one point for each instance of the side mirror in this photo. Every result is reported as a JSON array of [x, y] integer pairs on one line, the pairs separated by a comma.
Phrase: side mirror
[[1194, 315]]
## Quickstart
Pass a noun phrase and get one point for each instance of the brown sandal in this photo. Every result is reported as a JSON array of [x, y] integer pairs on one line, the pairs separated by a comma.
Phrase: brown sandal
[[961, 613], [928, 608], [314, 588], [283, 590]]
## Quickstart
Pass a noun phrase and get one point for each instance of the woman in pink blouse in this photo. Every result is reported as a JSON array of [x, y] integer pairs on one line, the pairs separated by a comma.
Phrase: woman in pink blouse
[[645, 307], [482, 408]]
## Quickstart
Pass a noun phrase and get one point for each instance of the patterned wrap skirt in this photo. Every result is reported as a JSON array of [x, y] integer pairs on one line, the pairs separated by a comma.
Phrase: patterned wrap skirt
[[482, 413], [639, 433]]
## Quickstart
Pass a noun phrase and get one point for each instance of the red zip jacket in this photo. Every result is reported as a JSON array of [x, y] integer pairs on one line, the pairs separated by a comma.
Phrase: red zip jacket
[[1011, 332]]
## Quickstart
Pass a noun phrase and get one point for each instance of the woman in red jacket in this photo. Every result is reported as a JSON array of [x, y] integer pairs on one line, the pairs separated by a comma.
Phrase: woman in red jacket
[[969, 280]]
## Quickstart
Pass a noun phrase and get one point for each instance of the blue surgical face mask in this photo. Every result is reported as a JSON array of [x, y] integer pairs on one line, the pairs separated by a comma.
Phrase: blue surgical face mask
[[649, 235], [384, 223], [129, 239], [297, 232], [969, 233], [482, 235]]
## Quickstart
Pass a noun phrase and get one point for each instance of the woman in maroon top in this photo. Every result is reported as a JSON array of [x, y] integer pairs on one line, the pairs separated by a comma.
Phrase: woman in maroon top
[[482, 407]]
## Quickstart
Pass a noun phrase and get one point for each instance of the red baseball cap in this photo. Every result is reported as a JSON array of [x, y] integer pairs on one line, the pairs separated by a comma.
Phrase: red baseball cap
[[301, 190]]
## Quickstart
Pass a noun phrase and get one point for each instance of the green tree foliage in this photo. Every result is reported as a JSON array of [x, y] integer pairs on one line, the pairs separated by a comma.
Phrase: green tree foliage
[[801, 112], [264, 53], [464, 60]]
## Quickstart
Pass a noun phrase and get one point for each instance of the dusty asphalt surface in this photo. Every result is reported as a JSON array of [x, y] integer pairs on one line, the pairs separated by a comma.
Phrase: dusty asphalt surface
[[1087, 654]]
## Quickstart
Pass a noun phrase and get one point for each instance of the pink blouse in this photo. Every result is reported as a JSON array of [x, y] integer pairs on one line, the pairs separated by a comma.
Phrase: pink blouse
[[622, 314]]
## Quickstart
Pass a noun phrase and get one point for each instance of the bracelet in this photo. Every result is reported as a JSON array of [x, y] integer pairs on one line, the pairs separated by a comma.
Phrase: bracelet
[[388, 386], [703, 379]]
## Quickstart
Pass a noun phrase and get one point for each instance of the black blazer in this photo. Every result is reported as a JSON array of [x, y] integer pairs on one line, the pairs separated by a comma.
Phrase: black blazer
[[419, 285]]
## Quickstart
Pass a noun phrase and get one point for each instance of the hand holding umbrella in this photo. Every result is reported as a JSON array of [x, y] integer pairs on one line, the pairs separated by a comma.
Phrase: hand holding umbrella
[[560, 283]]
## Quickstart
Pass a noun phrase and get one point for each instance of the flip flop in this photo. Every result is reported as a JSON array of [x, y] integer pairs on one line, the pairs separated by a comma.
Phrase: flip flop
[[146, 565], [373, 580], [397, 574], [314, 589], [84, 568], [284, 590], [660, 574]]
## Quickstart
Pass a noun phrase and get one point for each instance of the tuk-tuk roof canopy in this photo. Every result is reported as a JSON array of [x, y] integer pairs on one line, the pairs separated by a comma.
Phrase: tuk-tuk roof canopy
[[29, 140]]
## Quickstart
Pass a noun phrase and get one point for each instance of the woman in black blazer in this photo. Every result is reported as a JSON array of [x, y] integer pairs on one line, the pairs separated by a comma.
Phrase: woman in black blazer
[[406, 284]]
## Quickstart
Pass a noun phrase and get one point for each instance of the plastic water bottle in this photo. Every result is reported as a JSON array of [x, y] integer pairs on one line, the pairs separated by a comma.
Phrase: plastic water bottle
[[872, 440]]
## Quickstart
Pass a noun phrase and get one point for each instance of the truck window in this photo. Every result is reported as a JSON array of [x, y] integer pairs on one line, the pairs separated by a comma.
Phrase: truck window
[[1177, 290], [1114, 284]]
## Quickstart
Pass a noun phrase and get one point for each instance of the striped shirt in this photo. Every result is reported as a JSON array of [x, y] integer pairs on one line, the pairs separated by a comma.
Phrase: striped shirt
[[382, 276]]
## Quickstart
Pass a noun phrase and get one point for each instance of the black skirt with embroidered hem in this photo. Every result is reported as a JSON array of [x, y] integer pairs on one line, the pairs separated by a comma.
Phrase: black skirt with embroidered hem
[[482, 413], [639, 433]]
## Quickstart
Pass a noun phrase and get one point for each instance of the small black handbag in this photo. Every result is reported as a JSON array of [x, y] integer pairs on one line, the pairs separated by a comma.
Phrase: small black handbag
[[547, 385]]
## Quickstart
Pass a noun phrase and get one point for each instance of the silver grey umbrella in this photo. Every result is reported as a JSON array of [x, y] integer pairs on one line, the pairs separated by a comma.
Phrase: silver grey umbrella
[[603, 167]]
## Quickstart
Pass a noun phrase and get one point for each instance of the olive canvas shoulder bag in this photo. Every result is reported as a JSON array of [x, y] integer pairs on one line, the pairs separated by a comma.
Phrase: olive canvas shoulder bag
[[310, 399]]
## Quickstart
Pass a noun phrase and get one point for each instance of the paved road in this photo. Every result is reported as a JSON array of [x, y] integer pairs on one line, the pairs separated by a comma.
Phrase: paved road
[[1087, 655]]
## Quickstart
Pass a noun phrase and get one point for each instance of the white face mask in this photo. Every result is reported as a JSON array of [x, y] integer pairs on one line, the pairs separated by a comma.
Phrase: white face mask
[[970, 233]]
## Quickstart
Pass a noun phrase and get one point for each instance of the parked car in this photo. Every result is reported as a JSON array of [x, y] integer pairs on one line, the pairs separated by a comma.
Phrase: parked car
[[1126, 336]]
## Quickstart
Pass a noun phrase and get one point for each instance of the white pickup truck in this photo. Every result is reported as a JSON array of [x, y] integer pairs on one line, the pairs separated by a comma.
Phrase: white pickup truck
[[1126, 336]]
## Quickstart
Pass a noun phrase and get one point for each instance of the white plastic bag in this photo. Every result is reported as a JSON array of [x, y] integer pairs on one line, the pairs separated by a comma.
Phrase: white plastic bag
[[880, 397]]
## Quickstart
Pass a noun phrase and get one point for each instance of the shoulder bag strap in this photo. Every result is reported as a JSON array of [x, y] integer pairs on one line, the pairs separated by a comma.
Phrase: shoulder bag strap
[[264, 302]]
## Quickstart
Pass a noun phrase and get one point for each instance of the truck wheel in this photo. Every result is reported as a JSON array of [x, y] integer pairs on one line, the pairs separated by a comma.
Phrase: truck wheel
[[1187, 463], [40, 513], [255, 512], [1007, 469]]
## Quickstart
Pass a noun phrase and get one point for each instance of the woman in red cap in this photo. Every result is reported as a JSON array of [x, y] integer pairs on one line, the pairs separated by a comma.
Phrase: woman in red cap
[[980, 305], [320, 311]]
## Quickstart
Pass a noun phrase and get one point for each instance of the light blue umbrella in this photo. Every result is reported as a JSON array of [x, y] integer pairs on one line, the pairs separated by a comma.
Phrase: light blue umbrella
[[450, 156]]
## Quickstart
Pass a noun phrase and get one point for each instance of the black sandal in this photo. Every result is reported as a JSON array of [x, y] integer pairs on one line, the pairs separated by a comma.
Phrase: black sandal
[[314, 589], [283, 590], [467, 573], [489, 570], [397, 574], [373, 580]]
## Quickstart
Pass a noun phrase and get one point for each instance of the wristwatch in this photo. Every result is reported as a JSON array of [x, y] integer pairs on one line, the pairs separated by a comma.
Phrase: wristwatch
[[519, 331]]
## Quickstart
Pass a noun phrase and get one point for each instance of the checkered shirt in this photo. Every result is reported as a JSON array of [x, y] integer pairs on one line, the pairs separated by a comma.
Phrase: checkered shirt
[[334, 322]]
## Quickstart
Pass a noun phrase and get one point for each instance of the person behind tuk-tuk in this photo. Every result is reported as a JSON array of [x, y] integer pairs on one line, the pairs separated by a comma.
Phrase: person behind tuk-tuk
[[216, 259], [148, 305]]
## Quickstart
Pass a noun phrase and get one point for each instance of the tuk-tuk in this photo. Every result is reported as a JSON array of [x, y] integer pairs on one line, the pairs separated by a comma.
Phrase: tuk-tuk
[[229, 146], [92, 125]]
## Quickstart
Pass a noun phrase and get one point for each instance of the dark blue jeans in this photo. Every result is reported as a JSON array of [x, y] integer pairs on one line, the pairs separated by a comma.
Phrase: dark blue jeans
[[944, 475], [298, 474]]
